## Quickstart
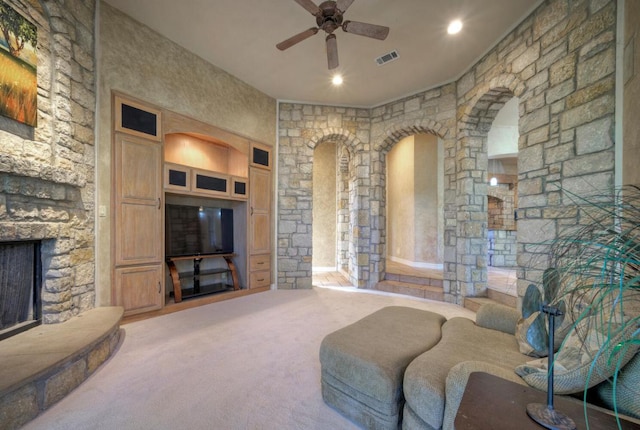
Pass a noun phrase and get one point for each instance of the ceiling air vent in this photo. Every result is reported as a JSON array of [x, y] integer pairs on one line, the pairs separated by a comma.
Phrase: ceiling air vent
[[390, 56]]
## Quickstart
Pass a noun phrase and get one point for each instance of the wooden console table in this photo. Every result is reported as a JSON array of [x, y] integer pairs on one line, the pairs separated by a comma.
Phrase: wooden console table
[[493, 403], [200, 289]]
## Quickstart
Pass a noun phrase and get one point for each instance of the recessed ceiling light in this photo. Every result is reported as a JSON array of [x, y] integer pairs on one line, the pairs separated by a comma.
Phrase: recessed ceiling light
[[454, 27], [336, 80]]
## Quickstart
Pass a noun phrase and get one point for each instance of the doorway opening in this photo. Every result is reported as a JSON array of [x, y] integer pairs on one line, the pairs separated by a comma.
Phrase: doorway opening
[[333, 194], [502, 198]]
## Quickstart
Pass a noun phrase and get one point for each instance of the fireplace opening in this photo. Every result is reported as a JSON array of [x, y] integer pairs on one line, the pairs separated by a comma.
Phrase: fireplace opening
[[20, 286]]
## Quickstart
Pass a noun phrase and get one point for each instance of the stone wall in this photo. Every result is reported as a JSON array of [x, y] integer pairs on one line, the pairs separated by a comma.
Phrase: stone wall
[[302, 128], [559, 62], [502, 245], [631, 97], [502, 206], [47, 180]]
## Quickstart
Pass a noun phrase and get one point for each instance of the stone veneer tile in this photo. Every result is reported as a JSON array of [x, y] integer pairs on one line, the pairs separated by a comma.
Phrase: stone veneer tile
[[19, 407]]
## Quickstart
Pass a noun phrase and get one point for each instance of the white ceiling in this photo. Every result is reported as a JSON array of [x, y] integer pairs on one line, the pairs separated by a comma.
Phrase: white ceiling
[[239, 36]]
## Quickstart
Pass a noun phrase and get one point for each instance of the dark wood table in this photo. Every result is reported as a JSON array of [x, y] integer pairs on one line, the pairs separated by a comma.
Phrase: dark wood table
[[493, 403]]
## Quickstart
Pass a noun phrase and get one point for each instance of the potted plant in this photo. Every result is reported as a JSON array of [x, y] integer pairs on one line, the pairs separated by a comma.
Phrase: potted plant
[[597, 264]]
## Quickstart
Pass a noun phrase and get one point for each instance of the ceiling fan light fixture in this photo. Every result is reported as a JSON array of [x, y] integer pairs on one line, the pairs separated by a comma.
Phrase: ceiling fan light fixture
[[328, 19], [454, 27]]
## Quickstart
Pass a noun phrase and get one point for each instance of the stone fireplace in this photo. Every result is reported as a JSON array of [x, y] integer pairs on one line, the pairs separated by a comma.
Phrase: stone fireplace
[[47, 190], [20, 287], [47, 196]]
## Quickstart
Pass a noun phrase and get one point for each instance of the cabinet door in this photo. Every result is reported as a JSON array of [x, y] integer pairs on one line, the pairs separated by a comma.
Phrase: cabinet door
[[210, 183], [260, 233], [177, 178], [260, 211], [137, 119], [260, 190], [260, 156], [138, 201], [139, 288]]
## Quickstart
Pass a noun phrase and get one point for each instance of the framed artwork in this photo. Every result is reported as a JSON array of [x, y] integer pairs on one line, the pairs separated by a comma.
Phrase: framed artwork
[[18, 61]]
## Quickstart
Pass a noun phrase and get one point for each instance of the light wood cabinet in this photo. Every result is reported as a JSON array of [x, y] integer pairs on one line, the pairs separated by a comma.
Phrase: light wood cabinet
[[260, 228], [260, 270], [210, 183], [137, 232], [138, 201], [177, 178], [139, 288], [260, 156]]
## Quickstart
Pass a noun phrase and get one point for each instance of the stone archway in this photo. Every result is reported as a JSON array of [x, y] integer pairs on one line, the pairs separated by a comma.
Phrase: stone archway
[[377, 202], [351, 181], [295, 211], [469, 270]]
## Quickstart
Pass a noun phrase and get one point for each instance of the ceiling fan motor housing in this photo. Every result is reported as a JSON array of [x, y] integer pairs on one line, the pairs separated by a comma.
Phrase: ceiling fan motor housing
[[331, 18]]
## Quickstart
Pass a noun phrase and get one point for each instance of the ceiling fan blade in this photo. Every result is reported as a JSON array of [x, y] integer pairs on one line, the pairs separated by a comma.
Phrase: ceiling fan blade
[[364, 29], [310, 6], [297, 38], [343, 5], [332, 51]]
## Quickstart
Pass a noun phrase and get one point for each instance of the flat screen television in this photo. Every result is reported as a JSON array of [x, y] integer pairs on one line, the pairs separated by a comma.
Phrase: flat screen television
[[197, 230]]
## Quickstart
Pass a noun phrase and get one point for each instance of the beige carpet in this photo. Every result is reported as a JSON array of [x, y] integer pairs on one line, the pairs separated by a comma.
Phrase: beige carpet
[[246, 363]]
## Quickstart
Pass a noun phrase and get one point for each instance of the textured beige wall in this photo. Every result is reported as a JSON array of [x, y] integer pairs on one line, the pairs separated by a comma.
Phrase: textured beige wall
[[324, 205], [414, 227], [631, 97], [137, 61], [401, 200], [426, 199]]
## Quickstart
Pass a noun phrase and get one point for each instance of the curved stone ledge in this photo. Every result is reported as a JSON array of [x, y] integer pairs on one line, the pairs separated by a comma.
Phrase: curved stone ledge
[[44, 364]]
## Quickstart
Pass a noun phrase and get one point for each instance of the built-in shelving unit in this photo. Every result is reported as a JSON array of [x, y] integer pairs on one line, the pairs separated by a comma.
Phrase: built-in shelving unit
[[198, 166], [163, 158]]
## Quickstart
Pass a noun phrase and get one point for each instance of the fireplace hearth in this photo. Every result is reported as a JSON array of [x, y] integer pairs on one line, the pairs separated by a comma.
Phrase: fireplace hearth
[[20, 287]]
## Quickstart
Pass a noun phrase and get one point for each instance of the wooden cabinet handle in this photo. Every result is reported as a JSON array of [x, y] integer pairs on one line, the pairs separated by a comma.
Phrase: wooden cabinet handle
[[260, 280], [159, 287], [251, 210], [159, 202]]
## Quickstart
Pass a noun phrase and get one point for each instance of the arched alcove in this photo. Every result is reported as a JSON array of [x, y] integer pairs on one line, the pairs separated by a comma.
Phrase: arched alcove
[[379, 204]]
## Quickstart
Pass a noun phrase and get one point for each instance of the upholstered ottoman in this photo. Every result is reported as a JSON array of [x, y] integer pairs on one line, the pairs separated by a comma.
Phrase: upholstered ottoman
[[363, 364]]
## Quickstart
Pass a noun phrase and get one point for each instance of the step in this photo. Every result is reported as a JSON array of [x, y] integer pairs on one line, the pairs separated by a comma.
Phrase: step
[[413, 279], [412, 289], [493, 296], [474, 303], [502, 298]]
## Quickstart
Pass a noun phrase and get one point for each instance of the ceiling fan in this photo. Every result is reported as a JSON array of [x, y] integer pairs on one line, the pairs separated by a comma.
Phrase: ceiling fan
[[329, 17]]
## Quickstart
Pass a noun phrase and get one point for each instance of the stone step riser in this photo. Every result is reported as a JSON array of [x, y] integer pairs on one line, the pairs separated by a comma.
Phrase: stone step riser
[[395, 277], [412, 289], [502, 298]]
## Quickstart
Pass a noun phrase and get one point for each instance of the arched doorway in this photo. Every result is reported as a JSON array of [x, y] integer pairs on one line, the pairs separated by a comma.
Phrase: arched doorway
[[334, 214], [502, 203], [414, 201]]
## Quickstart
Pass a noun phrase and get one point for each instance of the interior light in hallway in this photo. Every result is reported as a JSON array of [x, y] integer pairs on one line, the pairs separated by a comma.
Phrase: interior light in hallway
[[454, 27], [495, 168], [336, 80]]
